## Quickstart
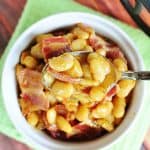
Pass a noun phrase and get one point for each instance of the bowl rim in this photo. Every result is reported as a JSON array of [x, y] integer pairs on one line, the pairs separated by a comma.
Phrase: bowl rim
[[27, 135]]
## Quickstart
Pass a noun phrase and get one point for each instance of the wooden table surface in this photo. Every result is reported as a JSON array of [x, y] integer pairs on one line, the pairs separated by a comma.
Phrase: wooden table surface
[[10, 11]]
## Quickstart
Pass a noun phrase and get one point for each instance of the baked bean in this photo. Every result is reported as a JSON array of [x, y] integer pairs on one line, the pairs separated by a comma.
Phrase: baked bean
[[120, 64], [61, 63], [80, 33], [99, 66], [32, 119], [28, 61], [63, 124], [62, 90], [125, 87], [48, 79], [119, 107], [78, 44], [76, 70], [97, 93], [86, 71], [83, 98], [51, 116], [82, 113], [105, 124], [89, 82], [102, 110], [36, 51], [71, 105], [50, 97], [101, 51], [41, 37]]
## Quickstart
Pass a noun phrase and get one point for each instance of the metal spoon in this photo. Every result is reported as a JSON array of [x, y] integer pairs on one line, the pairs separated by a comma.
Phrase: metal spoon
[[133, 75], [137, 75]]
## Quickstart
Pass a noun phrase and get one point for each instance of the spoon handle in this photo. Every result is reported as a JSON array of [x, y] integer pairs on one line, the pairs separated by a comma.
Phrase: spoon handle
[[140, 75]]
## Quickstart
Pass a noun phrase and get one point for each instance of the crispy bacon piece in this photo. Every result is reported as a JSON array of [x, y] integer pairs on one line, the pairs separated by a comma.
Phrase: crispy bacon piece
[[30, 83], [112, 92], [94, 42], [37, 98], [54, 46], [114, 53], [55, 133], [98, 42], [74, 122], [86, 90], [62, 76], [85, 132], [61, 110], [82, 132]]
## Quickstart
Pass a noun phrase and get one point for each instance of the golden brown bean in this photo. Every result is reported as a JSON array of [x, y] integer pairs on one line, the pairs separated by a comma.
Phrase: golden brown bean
[[101, 51], [71, 105], [61, 63], [62, 90], [41, 37], [70, 116], [78, 44], [29, 62], [105, 124], [51, 116], [125, 87], [82, 113], [89, 82], [86, 28], [83, 98], [32, 119], [99, 66], [48, 79], [50, 97], [86, 71], [88, 48], [110, 118], [119, 107], [63, 124], [97, 93], [76, 70], [110, 79], [102, 110], [36, 51], [120, 64], [80, 33], [69, 37]]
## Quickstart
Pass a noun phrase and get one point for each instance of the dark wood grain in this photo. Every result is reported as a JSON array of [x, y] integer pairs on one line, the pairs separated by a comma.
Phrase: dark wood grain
[[10, 11], [10, 144]]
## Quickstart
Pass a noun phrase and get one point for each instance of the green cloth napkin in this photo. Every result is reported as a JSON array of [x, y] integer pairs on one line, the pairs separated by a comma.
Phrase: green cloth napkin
[[37, 9]]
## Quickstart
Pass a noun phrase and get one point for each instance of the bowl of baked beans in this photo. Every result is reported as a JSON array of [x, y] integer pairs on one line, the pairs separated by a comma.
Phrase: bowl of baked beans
[[65, 87]]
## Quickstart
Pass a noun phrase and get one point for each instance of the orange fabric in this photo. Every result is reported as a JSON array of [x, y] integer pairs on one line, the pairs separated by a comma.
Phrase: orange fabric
[[110, 7]]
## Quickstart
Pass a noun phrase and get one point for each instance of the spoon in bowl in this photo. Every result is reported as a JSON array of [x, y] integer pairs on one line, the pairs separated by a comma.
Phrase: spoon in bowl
[[132, 75]]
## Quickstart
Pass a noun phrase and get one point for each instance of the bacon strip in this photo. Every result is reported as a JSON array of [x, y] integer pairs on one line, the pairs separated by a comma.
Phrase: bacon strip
[[62, 76], [97, 42], [114, 53], [30, 83], [112, 91], [54, 46], [61, 110], [85, 132]]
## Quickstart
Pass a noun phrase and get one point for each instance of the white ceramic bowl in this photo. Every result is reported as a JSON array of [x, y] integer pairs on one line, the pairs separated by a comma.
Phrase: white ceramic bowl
[[102, 26]]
